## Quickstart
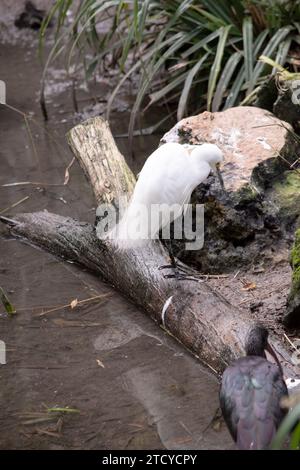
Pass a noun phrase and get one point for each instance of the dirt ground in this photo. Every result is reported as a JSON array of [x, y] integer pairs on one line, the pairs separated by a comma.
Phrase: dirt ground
[[262, 291]]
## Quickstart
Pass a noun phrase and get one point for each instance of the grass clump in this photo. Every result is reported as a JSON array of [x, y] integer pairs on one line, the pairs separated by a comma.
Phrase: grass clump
[[195, 54]]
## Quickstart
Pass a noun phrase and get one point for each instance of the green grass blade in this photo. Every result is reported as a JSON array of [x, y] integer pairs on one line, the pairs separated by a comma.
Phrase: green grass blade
[[215, 70], [218, 9], [248, 47], [98, 8], [213, 21], [158, 95], [235, 89], [9, 308], [285, 428], [295, 439], [259, 42], [58, 6], [151, 72], [150, 52], [225, 79], [127, 46], [269, 50], [283, 51], [182, 105], [181, 8], [199, 44], [142, 20]]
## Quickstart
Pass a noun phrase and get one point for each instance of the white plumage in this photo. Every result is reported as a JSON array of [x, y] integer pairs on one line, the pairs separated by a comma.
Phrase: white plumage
[[168, 178]]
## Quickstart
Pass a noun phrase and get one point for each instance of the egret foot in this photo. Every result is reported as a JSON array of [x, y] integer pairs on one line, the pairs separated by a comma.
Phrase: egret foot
[[179, 274]]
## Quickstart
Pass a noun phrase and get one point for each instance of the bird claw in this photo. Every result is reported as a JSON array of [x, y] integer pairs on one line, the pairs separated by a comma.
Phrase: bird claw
[[166, 266], [178, 273], [181, 277]]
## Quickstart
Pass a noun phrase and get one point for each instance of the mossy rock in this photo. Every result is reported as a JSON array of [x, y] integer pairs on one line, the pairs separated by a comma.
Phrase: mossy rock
[[247, 194], [292, 317], [243, 224], [295, 262], [285, 195]]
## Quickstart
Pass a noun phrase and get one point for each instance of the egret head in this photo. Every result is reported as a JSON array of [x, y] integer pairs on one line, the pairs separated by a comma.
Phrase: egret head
[[211, 154]]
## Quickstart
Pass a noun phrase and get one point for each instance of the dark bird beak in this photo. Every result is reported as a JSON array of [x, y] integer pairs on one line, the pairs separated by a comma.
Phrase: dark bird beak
[[218, 172], [271, 351]]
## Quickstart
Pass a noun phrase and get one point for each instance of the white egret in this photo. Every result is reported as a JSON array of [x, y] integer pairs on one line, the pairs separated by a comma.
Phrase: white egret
[[167, 180]]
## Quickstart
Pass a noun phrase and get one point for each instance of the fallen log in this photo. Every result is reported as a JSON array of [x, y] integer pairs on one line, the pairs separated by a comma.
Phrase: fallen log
[[200, 318]]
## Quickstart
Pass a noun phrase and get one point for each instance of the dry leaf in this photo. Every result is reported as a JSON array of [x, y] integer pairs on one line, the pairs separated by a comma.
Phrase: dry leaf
[[67, 173], [177, 441], [74, 303], [249, 286], [100, 363]]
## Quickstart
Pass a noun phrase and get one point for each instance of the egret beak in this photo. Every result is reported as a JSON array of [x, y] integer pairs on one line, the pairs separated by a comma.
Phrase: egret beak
[[218, 173]]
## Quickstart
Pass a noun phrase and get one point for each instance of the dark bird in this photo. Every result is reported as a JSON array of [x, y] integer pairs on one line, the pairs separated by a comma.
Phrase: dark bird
[[251, 392]]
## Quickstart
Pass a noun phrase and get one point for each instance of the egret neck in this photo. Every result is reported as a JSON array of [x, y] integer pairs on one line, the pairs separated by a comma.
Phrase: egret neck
[[206, 158]]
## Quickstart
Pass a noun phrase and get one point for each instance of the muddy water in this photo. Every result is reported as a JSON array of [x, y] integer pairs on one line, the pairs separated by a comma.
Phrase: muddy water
[[134, 386]]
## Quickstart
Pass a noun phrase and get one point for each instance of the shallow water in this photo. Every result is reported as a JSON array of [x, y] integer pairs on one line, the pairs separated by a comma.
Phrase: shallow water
[[135, 387]]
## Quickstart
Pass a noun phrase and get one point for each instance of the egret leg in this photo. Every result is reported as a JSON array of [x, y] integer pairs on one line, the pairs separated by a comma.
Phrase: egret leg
[[173, 264], [179, 273]]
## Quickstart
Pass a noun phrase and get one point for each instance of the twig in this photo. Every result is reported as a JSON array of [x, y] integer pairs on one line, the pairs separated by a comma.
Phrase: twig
[[33, 183], [214, 276], [8, 221], [60, 307], [289, 341], [15, 204], [32, 141], [48, 433]]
